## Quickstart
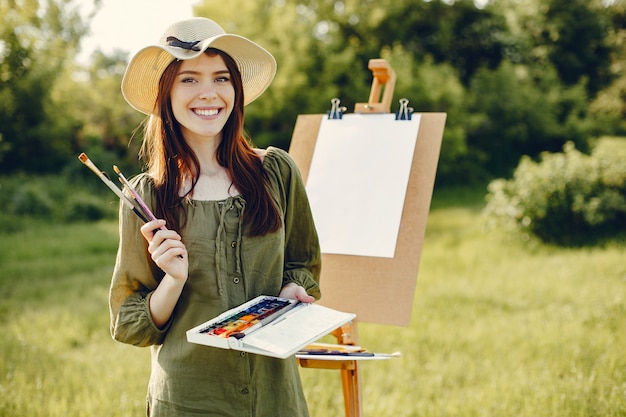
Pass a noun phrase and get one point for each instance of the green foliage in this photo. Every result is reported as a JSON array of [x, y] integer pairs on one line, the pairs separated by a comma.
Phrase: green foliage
[[85, 207], [415, 79], [28, 199], [609, 107], [576, 37], [515, 77], [517, 114], [109, 123], [566, 198], [36, 41], [454, 33], [573, 36], [503, 95]]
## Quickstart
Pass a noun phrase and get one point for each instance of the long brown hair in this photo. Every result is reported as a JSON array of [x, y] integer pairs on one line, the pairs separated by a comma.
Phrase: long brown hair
[[171, 162]]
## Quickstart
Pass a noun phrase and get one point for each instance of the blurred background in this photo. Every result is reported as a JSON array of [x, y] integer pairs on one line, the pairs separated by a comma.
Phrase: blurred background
[[517, 77], [521, 302]]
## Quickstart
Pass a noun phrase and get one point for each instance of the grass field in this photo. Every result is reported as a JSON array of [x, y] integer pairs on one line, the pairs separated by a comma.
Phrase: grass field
[[499, 328]]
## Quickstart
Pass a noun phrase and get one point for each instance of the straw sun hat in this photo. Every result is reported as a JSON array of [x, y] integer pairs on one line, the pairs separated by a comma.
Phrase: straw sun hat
[[188, 39]]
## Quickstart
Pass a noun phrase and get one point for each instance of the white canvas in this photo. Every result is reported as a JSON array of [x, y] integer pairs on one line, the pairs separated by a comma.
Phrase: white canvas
[[357, 182]]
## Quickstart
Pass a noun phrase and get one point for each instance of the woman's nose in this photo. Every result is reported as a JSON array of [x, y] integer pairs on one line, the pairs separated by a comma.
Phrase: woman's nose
[[208, 92]]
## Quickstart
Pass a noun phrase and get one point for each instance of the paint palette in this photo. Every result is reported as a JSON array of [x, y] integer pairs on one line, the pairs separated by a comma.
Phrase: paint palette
[[263, 311], [270, 326]]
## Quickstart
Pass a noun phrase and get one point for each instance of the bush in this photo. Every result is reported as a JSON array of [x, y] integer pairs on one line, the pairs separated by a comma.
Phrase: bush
[[31, 199], [85, 207], [27, 198], [567, 198]]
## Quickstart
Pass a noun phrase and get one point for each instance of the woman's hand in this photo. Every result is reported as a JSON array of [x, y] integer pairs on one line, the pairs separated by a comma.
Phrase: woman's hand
[[167, 249], [296, 292], [170, 254]]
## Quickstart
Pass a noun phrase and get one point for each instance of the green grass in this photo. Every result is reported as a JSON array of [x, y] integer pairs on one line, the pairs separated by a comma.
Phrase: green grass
[[499, 328]]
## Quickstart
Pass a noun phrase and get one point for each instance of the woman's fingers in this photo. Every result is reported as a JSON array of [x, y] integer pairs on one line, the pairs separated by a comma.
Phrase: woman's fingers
[[169, 253], [166, 248], [163, 243], [149, 228], [296, 292], [302, 295]]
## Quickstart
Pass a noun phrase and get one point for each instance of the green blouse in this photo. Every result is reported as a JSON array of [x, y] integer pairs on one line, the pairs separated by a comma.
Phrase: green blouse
[[226, 269]]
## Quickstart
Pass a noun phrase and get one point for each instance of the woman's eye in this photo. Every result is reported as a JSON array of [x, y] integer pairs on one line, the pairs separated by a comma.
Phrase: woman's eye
[[187, 80], [222, 79]]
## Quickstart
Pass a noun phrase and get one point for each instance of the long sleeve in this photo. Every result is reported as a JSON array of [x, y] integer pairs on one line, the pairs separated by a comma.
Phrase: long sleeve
[[302, 251], [135, 277]]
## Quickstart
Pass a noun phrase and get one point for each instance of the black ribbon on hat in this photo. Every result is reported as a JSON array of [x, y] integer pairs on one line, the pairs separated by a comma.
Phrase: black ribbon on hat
[[177, 43]]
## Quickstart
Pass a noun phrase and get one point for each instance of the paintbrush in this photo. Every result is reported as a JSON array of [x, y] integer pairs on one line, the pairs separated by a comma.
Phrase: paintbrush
[[135, 194], [141, 209], [105, 179], [138, 199]]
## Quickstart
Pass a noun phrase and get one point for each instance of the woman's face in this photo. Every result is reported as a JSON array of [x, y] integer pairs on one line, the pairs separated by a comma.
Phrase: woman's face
[[202, 97]]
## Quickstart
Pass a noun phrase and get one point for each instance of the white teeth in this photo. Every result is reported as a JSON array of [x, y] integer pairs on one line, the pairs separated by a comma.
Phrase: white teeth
[[206, 112]]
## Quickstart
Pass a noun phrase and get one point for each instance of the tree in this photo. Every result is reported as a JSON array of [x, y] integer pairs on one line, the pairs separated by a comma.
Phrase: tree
[[576, 33], [37, 39], [512, 75], [457, 33], [572, 36], [110, 123], [609, 106], [517, 115]]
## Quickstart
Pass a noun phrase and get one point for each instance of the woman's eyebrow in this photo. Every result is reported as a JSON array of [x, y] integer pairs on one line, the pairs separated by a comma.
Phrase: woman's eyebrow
[[194, 72]]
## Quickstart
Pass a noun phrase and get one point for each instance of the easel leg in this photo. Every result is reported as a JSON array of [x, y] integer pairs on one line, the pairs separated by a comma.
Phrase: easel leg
[[351, 392], [347, 335]]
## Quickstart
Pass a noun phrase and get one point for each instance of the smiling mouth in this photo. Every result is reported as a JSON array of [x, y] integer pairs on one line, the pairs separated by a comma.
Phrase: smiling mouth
[[206, 112]]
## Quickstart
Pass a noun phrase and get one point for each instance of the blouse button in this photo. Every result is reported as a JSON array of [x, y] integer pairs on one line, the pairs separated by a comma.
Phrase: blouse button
[[236, 280], [245, 391], [242, 354], [233, 244], [221, 291]]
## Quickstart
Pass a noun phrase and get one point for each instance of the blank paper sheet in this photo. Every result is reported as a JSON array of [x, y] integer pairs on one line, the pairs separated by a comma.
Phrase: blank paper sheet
[[357, 182]]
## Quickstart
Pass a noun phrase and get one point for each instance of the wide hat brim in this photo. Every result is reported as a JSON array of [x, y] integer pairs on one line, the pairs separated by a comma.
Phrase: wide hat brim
[[140, 84]]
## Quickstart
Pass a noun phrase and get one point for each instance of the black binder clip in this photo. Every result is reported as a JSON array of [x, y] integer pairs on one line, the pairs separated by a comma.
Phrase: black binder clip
[[405, 112], [336, 112]]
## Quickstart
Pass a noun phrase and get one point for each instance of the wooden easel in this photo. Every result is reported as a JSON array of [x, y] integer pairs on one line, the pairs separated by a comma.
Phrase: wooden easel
[[381, 93], [350, 382], [374, 303]]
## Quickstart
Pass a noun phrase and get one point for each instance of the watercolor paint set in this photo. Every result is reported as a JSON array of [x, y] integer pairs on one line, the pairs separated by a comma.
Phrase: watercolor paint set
[[270, 326]]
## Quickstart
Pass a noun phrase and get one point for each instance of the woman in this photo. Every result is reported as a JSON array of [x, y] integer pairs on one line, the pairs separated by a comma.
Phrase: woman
[[235, 223]]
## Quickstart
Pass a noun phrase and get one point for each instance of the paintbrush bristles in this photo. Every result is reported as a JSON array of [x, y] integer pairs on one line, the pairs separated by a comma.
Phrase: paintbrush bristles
[[123, 179], [105, 179], [85, 160]]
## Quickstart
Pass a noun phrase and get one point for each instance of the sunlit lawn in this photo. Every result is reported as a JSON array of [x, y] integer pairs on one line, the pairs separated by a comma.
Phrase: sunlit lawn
[[499, 328]]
